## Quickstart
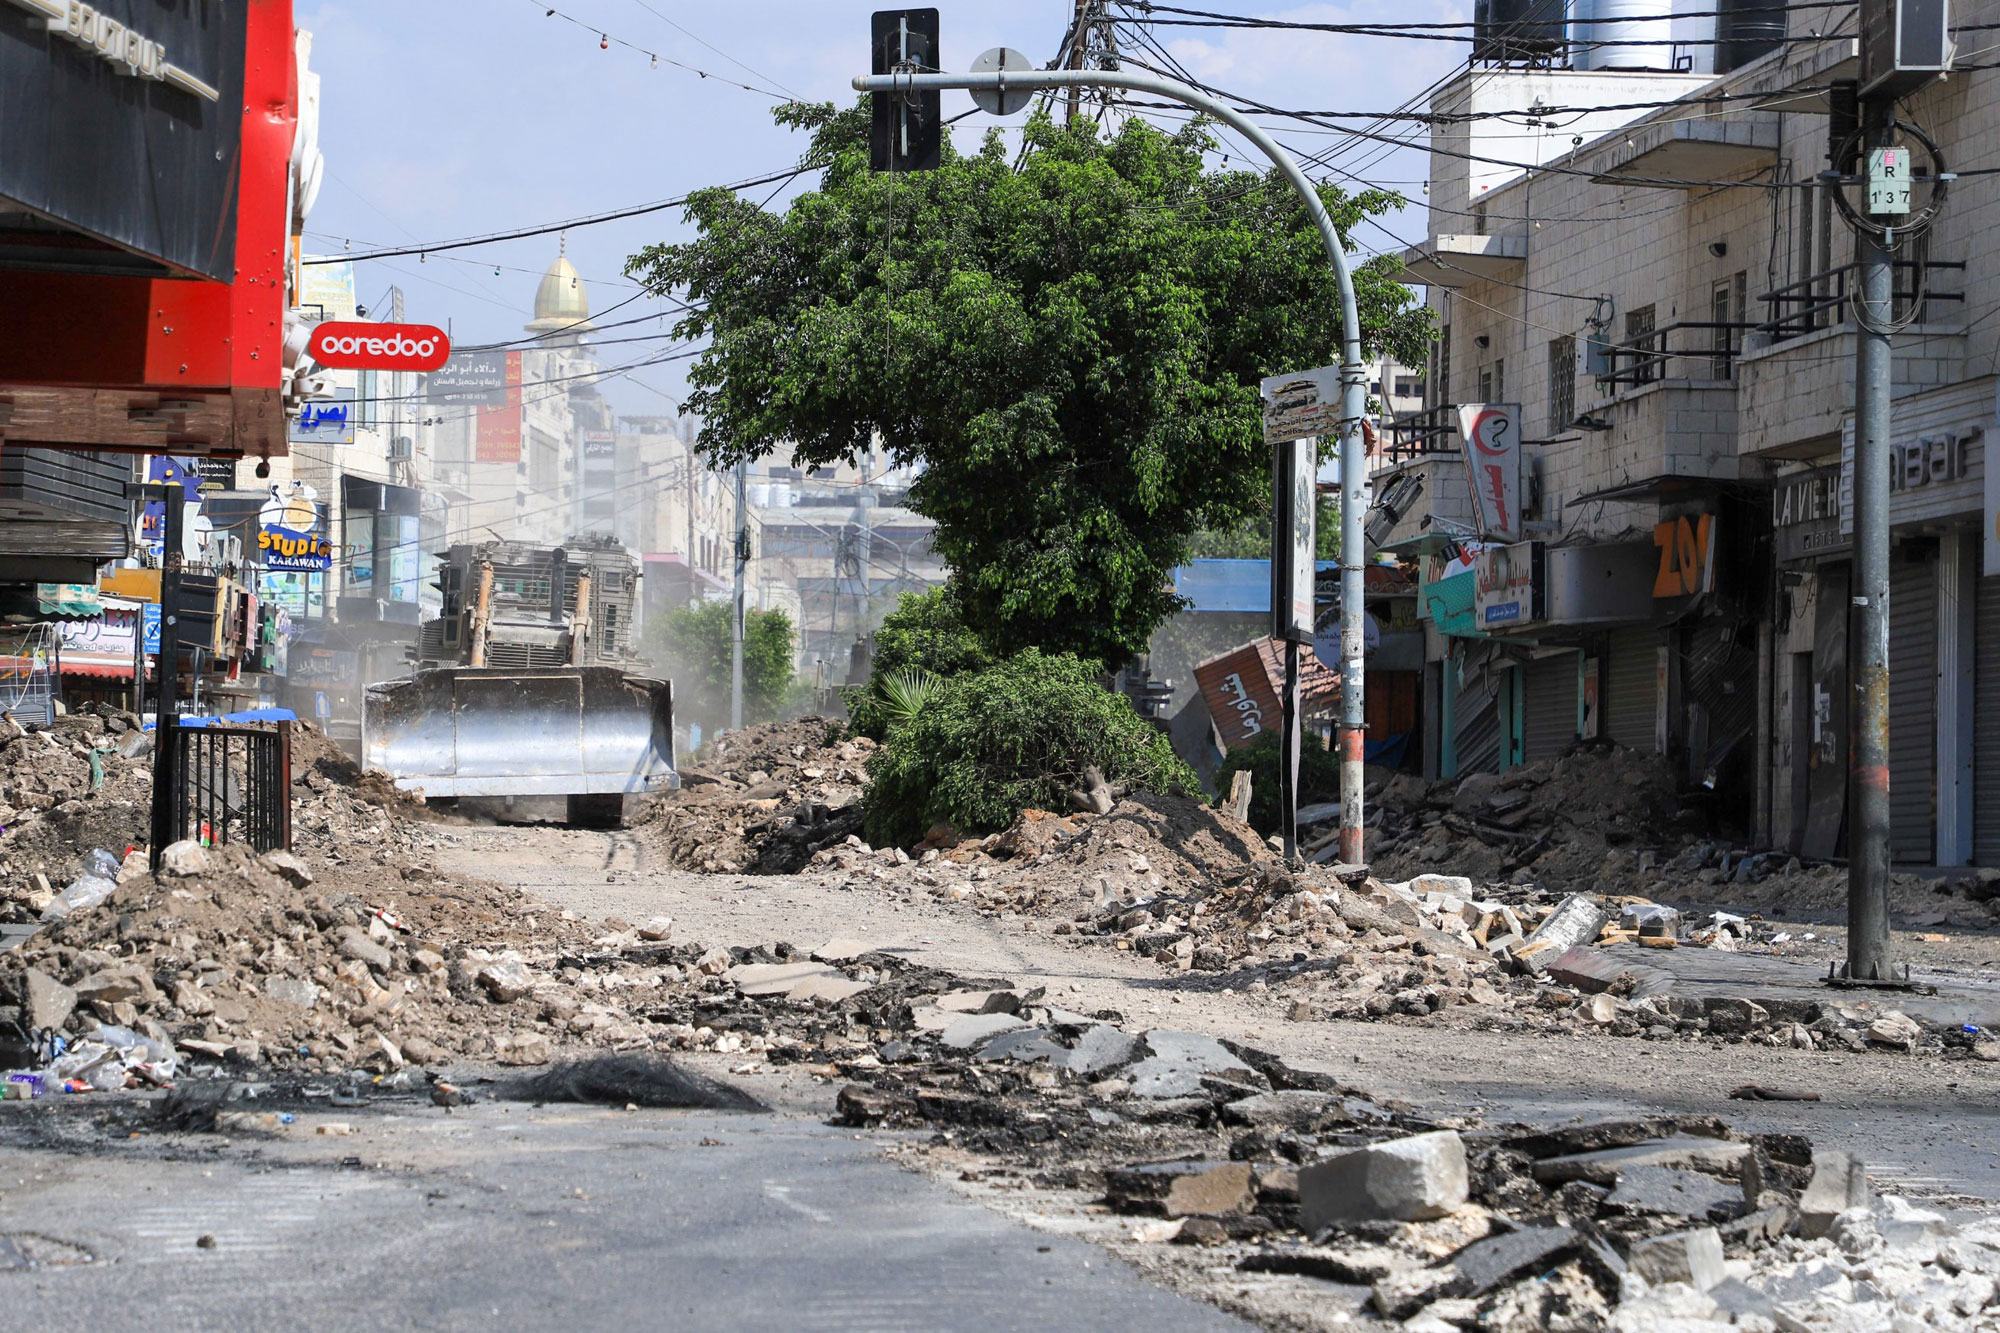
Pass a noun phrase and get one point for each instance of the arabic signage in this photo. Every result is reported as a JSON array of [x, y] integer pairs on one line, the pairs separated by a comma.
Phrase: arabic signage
[[217, 474], [1294, 502], [1505, 590], [470, 379], [347, 345], [1805, 514], [1490, 434], [1241, 697], [1301, 406], [124, 119], [327, 290], [101, 637], [288, 535], [149, 633], [498, 429], [328, 420]]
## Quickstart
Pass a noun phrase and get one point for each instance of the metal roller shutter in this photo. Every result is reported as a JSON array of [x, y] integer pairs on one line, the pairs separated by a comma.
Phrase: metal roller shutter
[[1476, 718], [1913, 686], [1631, 696], [1550, 722], [1986, 726]]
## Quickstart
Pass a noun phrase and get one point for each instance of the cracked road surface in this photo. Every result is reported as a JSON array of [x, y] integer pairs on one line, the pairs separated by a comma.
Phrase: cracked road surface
[[1925, 1127]]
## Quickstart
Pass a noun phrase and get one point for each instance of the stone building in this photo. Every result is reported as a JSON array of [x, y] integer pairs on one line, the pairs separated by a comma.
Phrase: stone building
[[1663, 292]]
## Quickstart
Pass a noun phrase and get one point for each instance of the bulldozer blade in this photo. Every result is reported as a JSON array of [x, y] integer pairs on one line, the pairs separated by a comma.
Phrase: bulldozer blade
[[483, 731]]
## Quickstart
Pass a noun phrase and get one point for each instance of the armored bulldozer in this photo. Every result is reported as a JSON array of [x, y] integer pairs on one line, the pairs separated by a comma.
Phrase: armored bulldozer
[[527, 685]]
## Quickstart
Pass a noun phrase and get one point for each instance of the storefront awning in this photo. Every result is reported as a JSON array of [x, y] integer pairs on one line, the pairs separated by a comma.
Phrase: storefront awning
[[70, 600], [90, 664]]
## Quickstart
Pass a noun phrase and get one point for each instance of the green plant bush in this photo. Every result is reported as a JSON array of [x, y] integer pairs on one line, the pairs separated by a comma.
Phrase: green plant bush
[[925, 633], [1319, 777], [1015, 736]]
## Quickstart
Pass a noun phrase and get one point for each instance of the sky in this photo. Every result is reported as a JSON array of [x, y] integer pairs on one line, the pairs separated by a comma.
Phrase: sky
[[449, 118]]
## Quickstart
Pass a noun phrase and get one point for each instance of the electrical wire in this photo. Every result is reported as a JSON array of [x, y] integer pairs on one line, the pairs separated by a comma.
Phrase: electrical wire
[[605, 41]]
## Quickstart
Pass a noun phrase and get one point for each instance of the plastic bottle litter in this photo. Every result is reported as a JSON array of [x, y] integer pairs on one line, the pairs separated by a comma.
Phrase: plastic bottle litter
[[98, 881]]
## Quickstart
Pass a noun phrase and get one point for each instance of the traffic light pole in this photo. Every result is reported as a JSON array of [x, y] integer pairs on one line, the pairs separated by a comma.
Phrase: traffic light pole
[[1353, 466]]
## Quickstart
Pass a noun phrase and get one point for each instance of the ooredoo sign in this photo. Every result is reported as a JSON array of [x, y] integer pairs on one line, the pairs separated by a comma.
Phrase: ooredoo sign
[[345, 345]]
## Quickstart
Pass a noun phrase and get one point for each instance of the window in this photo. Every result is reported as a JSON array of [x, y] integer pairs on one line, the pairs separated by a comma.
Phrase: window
[[1499, 382], [1726, 300], [1640, 337], [1562, 383], [1486, 384], [1408, 386]]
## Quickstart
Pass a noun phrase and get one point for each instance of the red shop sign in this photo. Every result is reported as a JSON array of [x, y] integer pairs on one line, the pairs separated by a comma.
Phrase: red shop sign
[[346, 345]]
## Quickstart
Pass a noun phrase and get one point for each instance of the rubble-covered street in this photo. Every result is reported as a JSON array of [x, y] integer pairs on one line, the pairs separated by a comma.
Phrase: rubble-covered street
[[1306, 1098]]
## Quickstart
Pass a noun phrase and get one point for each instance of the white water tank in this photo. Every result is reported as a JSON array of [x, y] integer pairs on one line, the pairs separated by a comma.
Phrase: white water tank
[[1621, 21]]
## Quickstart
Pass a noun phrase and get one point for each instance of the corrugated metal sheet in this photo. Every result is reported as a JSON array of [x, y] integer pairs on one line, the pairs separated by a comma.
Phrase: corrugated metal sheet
[[1631, 694], [1549, 725], [1913, 668], [1986, 726], [1476, 717]]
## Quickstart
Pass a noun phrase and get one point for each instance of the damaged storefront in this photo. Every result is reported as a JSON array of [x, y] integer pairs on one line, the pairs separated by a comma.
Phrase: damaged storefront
[[1944, 639], [1538, 646]]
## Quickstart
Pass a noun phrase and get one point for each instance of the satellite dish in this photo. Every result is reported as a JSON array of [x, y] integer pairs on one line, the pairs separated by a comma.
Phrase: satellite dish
[[996, 101]]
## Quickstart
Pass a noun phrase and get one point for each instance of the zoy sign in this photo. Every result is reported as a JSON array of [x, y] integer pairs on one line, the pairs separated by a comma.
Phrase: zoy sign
[[1490, 434]]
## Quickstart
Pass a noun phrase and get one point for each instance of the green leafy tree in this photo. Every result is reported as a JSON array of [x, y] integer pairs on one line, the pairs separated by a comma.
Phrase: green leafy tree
[[692, 645], [1250, 538], [1070, 348]]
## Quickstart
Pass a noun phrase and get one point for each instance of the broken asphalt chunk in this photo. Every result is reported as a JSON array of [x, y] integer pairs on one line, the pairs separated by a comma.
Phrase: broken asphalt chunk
[[1179, 1189]]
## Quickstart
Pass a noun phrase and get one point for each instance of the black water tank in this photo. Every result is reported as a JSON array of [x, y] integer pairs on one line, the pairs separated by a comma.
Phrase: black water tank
[[1517, 30], [1744, 30]]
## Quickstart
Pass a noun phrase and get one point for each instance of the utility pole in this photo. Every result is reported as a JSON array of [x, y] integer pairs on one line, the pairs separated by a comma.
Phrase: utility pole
[[1868, 626], [1079, 38], [1904, 46], [1013, 76], [742, 575], [166, 702]]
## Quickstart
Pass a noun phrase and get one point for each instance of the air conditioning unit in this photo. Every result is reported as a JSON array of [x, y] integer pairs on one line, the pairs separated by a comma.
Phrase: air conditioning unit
[[402, 449]]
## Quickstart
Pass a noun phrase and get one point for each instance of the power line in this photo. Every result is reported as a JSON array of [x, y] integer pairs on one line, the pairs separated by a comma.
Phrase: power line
[[605, 40], [589, 220]]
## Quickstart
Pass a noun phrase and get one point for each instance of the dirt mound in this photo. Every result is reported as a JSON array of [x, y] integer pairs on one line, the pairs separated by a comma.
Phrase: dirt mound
[[762, 800]]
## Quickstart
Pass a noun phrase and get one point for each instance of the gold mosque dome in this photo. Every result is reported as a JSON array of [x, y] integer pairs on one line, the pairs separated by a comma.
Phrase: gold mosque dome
[[561, 302]]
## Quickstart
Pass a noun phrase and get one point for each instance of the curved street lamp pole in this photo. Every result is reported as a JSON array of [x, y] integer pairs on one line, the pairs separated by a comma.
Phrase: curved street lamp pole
[[1353, 463]]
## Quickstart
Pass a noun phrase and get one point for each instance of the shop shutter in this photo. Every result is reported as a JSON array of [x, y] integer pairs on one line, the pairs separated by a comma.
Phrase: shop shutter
[[1476, 718], [1913, 685], [1986, 726], [1550, 722], [1631, 697]]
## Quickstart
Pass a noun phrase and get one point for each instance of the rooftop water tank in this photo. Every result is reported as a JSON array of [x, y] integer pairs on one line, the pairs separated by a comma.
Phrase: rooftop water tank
[[1603, 39], [1517, 30], [1744, 30]]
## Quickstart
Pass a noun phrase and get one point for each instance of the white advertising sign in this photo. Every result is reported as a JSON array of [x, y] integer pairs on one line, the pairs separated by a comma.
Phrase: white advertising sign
[[1301, 406], [1491, 436]]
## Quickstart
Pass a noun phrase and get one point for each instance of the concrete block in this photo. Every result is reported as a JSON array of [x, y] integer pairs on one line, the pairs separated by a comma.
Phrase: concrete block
[[1603, 1168], [1179, 1189], [45, 1002], [1405, 1180], [1839, 1182], [1693, 1257]]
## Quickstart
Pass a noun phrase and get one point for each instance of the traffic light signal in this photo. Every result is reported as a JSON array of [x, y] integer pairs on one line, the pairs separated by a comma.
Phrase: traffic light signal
[[908, 127]]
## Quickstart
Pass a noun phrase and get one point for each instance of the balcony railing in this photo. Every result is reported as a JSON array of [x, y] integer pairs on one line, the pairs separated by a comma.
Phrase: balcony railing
[[1690, 349], [1822, 301], [1416, 434]]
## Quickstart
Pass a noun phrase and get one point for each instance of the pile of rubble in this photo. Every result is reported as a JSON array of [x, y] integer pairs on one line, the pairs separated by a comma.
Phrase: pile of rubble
[[1559, 821], [764, 800], [229, 956], [81, 784]]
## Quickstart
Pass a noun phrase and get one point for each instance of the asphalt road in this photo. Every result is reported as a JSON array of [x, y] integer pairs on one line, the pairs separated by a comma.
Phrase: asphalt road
[[1925, 1127], [507, 1216]]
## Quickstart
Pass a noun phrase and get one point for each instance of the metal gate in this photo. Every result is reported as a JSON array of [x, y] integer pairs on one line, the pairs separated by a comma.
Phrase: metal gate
[[1913, 686], [1631, 697], [228, 784], [1476, 713], [1549, 693], [1986, 725]]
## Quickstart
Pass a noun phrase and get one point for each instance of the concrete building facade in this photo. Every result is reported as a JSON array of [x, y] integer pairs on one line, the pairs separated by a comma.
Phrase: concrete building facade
[[1666, 299]]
